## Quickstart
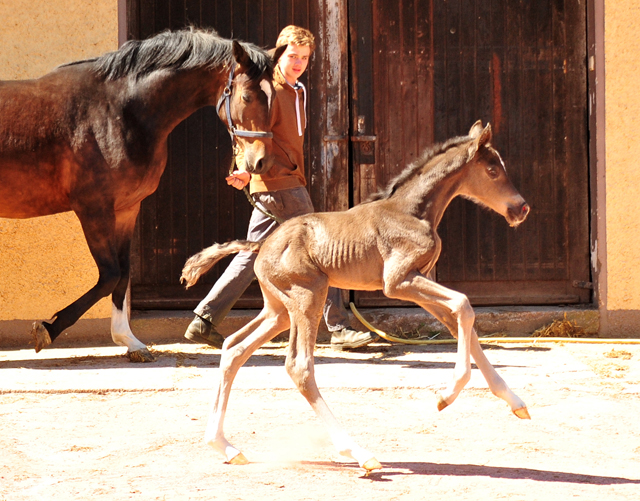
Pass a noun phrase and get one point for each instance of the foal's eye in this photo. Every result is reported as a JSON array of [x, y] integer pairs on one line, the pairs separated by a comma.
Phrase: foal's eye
[[247, 98], [492, 171]]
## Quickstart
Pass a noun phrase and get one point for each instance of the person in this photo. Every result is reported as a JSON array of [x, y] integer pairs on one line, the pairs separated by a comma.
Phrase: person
[[282, 192]]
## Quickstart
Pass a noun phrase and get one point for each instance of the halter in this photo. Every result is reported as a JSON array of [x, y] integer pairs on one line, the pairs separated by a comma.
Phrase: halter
[[233, 132], [226, 98]]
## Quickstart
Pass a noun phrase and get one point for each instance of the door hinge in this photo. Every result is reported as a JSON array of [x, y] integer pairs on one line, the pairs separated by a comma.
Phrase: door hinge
[[582, 285]]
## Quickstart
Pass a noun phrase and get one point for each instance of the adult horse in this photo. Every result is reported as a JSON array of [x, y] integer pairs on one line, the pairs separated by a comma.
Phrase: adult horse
[[388, 244], [91, 137]]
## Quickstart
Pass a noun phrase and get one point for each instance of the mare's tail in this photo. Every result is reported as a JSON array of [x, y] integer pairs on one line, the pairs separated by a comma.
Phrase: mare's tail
[[200, 263]]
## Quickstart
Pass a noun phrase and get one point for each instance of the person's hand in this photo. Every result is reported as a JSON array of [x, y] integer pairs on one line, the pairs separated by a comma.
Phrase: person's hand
[[238, 179]]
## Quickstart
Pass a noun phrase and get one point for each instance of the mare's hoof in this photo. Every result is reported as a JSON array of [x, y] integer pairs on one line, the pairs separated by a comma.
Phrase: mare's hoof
[[140, 356], [372, 464], [522, 413], [239, 459], [442, 403], [40, 336]]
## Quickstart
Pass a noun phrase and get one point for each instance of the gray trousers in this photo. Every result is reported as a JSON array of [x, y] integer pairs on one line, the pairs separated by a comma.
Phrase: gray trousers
[[285, 204]]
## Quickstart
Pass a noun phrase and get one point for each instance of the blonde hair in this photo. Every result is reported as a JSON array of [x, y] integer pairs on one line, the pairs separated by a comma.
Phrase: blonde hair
[[296, 35]]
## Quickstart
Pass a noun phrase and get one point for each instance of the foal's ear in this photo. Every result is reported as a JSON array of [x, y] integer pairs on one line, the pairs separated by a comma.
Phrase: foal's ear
[[240, 55], [475, 129], [482, 138], [485, 136]]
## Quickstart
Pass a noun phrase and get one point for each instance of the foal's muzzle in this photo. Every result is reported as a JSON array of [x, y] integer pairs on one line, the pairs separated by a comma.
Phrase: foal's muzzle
[[516, 215]]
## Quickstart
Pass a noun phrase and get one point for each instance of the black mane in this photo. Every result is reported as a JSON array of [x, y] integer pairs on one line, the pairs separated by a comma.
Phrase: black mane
[[418, 164], [184, 49]]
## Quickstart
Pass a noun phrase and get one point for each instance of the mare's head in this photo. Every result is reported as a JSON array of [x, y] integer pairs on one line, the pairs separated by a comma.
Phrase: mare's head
[[248, 114], [486, 182], [176, 72]]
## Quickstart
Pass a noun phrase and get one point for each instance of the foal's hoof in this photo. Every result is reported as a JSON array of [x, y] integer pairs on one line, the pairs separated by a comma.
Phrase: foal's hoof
[[442, 403], [239, 459], [522, 413], [372, 464], [40, 336], [140, 356]]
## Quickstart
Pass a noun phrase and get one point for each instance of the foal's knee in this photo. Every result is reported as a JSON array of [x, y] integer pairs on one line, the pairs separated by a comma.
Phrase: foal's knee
[[462, 310]]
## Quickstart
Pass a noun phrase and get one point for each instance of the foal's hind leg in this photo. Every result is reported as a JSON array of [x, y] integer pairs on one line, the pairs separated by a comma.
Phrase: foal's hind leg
[[305, 310], [237, 348]]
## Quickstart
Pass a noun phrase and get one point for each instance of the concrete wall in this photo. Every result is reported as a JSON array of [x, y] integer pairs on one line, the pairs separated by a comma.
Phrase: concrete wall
[[622, 123], [44, 262]]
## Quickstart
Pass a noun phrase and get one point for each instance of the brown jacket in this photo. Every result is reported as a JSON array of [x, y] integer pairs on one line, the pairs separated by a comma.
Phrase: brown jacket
[[288, 140]]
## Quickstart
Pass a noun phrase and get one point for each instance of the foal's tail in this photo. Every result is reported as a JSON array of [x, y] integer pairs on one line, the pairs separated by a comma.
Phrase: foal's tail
[[200, 263]]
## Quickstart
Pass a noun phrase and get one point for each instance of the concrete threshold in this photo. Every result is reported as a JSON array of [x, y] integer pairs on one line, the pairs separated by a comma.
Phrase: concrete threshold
[[168, 326]]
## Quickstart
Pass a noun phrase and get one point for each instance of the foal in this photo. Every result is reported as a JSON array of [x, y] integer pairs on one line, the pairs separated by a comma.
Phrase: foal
[[389, 243]]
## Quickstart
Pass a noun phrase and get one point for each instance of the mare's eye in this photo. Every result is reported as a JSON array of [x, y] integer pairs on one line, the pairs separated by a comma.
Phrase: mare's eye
[[247, 98]]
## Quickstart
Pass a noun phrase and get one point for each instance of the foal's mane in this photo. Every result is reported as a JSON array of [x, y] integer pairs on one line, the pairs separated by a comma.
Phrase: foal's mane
[[184, 49], [417, 165]]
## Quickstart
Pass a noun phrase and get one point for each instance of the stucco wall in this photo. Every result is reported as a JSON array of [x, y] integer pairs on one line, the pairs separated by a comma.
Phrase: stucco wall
[[44, 262], [622, 67]]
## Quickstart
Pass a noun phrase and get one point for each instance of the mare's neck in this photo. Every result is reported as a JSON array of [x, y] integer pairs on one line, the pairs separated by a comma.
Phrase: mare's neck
[[167, 98]]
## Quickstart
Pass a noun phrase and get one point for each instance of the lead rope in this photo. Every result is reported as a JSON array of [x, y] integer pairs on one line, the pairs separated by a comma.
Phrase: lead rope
[[248, 195]]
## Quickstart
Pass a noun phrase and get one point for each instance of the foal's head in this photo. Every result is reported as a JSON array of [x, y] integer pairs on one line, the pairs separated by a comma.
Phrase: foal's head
[[486, 180], [252, 95]]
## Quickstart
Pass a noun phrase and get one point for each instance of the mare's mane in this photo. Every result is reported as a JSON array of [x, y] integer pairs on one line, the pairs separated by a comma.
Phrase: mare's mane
[[184, 49], [417, 165]]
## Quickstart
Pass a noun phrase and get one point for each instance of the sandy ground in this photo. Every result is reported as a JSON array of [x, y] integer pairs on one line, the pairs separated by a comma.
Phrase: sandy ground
[[87, 424]]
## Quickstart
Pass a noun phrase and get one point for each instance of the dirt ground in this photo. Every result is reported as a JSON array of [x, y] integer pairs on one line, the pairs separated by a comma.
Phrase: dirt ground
[[87, 424]]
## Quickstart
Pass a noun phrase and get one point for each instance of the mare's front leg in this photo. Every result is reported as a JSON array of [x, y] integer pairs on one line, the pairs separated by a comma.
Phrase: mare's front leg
[[120, 297], [305, 309], [417, 288], [104, 232], [237, 348]]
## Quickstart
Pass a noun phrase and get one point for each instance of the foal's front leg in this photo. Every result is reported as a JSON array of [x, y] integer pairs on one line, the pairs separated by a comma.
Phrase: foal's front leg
[[497, 385], [417, 288]]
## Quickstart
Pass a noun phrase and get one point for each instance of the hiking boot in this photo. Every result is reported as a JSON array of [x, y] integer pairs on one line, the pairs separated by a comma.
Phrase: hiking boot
[[348, 339], [200, 330]]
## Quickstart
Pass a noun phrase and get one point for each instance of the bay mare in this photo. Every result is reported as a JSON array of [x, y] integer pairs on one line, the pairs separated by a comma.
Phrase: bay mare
[[389, 243], [91, 137]]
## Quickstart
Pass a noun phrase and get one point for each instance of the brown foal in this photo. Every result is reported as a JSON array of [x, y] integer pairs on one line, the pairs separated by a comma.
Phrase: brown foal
[[388, 243]]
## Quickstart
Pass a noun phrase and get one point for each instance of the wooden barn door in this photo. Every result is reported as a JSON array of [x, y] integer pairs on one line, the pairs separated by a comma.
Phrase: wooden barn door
[[193, 206], [424, 71]]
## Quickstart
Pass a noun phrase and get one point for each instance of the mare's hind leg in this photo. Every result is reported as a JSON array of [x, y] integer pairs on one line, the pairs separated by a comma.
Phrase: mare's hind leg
[[497, 385], [305, 310], [237, 348]]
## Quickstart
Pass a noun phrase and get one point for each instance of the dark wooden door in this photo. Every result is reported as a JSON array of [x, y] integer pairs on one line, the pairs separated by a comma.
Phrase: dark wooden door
[[193, 206], [424, 71]]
